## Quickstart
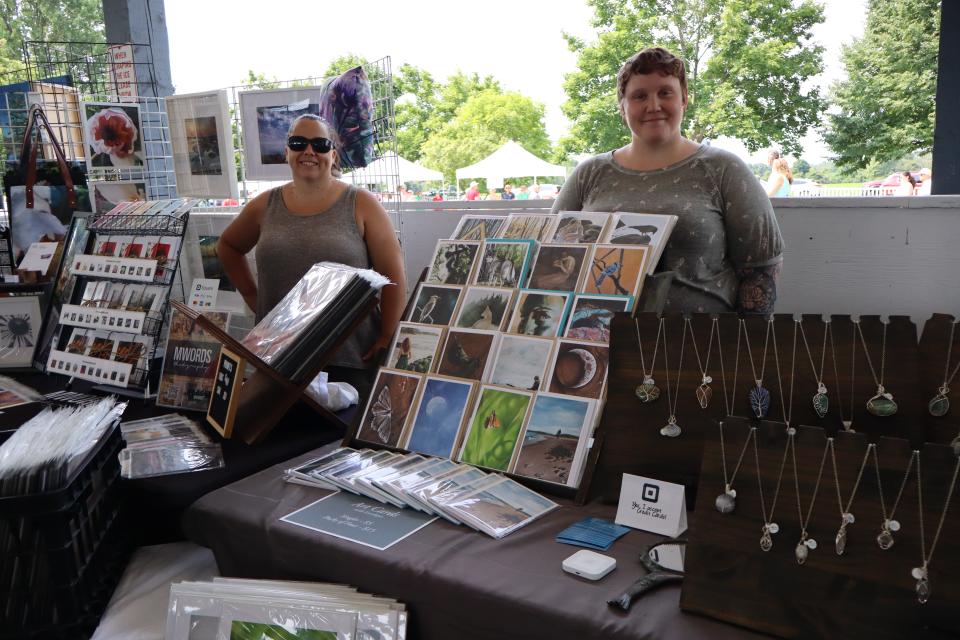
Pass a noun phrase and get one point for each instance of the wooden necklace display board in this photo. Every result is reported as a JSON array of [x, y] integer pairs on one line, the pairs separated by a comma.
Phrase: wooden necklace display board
[[865, 592], [939, 367], [629, 438]]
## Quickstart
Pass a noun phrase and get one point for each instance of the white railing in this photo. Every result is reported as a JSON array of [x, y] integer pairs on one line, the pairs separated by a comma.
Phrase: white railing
[[804, 191]]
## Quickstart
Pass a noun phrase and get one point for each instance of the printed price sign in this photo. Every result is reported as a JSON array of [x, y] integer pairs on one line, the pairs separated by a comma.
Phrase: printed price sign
[[652, 505]]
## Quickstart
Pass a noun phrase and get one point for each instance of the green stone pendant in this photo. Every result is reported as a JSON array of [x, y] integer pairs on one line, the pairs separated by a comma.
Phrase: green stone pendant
[[882, 404], [648, 391], [820, 401], [939, 406]]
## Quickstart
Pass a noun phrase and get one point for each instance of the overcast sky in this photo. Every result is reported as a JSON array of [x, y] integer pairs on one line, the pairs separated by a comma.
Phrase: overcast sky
[[519, 43]]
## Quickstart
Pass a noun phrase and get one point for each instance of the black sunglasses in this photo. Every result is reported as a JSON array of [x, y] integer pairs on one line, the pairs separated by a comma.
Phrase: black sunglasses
[[299, 143]]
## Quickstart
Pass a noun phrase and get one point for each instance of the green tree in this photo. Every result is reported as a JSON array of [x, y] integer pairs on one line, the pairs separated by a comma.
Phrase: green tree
[[800, 168], [886, 104], [746, 63], [44, 21]]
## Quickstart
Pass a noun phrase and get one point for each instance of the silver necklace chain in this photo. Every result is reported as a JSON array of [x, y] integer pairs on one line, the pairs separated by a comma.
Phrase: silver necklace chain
[[818, 373], [883, 354], [845, 509], [786, 408], [847, 424], [730, 400], [696, 351], [766, 342], [672, 398], [807, 543], [770, 527], [643, 365], [948, 376], [728, 480], [921, 573], [889, 524]]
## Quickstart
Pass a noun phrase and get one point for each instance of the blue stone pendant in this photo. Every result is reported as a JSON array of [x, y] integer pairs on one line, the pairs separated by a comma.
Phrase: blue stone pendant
[[759, 400]]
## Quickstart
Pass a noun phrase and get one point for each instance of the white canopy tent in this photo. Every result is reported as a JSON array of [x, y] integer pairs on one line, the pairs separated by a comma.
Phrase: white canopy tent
[[510, 160], [407, 171]]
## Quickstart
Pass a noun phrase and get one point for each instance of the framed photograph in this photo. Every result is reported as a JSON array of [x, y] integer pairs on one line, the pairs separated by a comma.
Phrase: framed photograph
[[580, 227], [521, 362], [558, 267], [435, 304], [528, 226], [388, 407], [646, 229], [415, 347], [20, 320], [199, 259], [478, 228], [591, 315], [494, 427], [105, 195], [202, 141], [466, 353], [113, 136], [266, 117], [484, 308], [504, 263], [579, 368], [453, 262], [540, 313], [553, 446], [439, 416], [616, 270]]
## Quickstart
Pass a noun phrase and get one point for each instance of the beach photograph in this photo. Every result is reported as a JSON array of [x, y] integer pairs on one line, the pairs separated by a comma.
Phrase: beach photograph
[[549, 445]]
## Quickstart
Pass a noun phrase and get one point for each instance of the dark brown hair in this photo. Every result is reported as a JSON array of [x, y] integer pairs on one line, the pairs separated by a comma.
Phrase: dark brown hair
[[650, 60]]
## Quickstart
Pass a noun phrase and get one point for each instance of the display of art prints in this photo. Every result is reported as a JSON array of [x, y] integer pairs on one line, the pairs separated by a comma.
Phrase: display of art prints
[[466, 353], [478, 228], [558, 267], [552, 447], [388, 407], [616, 270], [591, 315], [199, 260], [540, 313], [415, 347], [503, 263], [521, 362], [202, 142], [528, 226], [453, 262], [579, 368], [484, 308], [501, 507], [579, 226], [648, 229], [266, 117], [104, 196], [494, 427], [439, 416], [435, 304], [113, 136], [189, 362]]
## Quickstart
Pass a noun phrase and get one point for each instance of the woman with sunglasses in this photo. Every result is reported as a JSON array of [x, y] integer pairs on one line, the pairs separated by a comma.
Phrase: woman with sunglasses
[[316, 218]]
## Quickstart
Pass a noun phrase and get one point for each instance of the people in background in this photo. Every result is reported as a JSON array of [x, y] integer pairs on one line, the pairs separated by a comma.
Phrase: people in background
[[926, 184], [508, 193], [726, 249], [437, 197], [523, 193], [535, 192], [316, 218], [781, 179], [907, 184], [492, 195], [472, 192]]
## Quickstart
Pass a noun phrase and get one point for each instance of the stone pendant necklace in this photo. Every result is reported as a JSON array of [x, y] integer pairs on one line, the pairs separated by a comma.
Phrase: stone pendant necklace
[[759, 396], [922, 573], [672, 429], [704, 392], [846, 515], [939, 405], [821, 403], [847, 421], [770, 528], [881, 404], [890, 525], [807, 544], [726, 502], [647, 391]]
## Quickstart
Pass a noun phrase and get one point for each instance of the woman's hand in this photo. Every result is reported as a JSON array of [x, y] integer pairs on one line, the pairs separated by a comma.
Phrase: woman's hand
[[382, 343]]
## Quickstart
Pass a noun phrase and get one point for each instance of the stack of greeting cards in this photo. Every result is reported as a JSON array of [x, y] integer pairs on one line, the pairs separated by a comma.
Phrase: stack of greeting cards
[[501, 361]]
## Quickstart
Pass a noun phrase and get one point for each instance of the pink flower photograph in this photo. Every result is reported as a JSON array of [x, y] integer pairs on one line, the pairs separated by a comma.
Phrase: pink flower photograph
[[113, 135]]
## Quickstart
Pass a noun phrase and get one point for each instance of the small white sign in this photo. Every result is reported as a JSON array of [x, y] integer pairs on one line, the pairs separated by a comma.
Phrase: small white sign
[[652, 505], [203, 293], [39, 256]]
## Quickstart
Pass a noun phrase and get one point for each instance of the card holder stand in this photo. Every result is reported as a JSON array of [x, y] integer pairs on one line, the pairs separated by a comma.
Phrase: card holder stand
[[168, 220], [266, 396], [632, 442], [867, 591]]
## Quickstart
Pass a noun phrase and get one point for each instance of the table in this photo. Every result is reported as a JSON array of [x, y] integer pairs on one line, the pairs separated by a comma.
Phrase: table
[[457, 583]]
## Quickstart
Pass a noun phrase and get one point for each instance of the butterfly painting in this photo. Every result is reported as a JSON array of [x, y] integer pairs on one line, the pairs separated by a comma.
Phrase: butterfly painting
[[389, 407]]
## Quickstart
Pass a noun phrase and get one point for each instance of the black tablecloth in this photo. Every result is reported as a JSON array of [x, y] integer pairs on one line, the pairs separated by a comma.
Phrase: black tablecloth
[[457, 583]]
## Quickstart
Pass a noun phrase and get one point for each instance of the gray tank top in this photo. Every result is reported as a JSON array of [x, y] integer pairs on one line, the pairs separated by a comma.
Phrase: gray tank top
[[290, 244]]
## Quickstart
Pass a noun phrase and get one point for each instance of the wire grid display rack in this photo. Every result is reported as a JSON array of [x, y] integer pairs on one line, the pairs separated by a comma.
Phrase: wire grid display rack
[[61, 77]]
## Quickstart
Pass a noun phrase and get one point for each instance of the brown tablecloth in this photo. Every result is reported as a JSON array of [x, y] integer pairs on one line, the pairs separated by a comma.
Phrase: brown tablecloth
[[457, 583]]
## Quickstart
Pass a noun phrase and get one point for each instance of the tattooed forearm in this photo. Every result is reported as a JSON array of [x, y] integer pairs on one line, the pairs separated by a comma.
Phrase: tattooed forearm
[[758, 289]]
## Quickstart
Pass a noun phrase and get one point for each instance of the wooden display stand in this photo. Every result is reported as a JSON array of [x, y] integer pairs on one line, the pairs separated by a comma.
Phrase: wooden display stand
[[266, 396], [933, 358], [865, 593], [632, 442]]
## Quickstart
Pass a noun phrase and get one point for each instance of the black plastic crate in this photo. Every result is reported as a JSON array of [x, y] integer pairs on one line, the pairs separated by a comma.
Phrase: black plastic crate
[[62, 551]]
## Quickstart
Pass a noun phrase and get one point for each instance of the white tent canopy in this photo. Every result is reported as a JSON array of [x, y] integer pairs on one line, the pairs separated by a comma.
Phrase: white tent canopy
[[408, 171], [510, 160]]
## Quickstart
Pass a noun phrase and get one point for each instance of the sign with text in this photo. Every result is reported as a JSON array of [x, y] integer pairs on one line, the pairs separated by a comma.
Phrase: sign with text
[[361, 520], [203, 293], [652, 505], [123, 73], [39, 256]]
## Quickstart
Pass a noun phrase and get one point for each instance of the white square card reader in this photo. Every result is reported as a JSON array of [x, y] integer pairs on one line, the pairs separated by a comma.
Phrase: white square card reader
[[589, 565]]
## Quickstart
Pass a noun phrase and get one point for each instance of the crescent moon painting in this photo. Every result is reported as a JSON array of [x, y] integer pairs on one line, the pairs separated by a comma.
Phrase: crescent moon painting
[[579, 369]]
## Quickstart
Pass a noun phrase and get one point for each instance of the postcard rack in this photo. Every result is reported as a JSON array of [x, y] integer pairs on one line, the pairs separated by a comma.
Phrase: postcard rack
[[632, 442], [110, 329], [865, 592], [266, 396]]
